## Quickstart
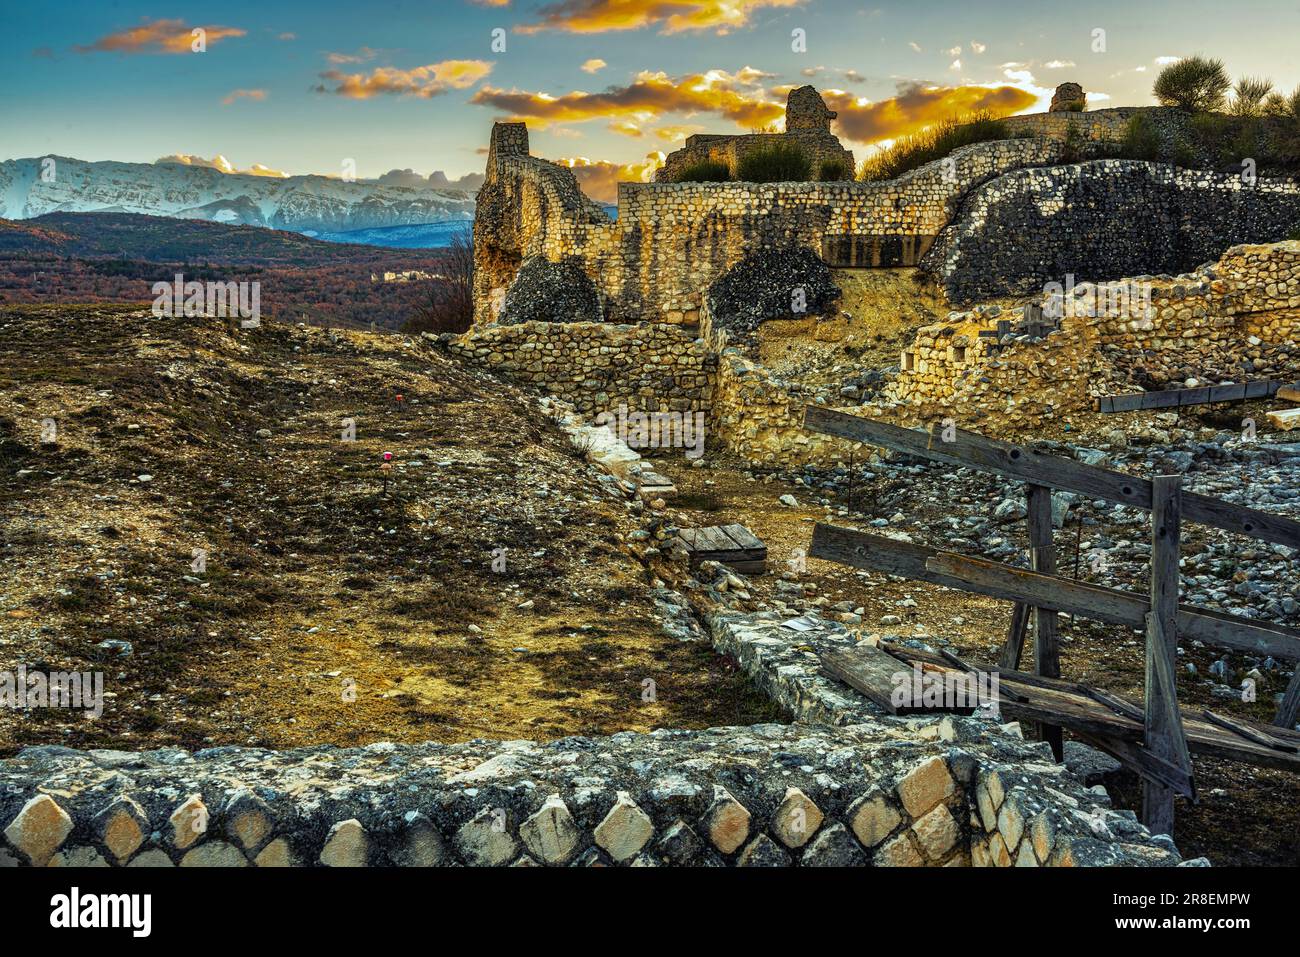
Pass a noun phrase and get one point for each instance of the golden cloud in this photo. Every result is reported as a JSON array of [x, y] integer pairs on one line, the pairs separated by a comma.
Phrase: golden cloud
[[434, 79], [917, 106], [219, 163], [158, 36], [733, 96], [599, 179], [672, 16], [234, 95]]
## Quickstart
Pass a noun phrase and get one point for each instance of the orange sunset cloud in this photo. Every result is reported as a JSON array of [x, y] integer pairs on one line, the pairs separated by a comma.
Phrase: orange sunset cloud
[[434, 79], [672, 16], [733, 96], [158, 36]]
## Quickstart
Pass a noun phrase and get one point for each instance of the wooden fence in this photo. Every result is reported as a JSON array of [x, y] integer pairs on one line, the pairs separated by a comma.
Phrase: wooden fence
[[1162, 758]]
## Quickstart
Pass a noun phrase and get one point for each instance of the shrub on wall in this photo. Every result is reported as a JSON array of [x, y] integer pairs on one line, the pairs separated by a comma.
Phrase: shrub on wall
[[833, 170], [1141, 140], [782, 162], [1194, 84], [933, 143], [704, 171]]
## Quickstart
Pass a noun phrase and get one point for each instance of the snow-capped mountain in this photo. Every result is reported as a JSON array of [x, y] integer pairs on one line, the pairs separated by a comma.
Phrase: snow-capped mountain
[[39, 185]]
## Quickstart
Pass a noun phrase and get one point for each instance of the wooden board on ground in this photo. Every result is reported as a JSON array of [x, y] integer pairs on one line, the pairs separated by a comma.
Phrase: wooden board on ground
[[732, 545], [650, 485], [1284, 419], [874, 673], [1200, 395]]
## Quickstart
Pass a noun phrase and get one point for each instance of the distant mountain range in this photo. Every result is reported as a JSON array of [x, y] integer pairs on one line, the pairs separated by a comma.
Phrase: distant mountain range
[[423, 236], [314, 205]]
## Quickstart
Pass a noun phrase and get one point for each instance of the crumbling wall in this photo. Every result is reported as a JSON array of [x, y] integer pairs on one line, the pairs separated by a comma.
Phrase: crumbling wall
[[1101, 220], [599, 366], [951, 369], [671, 240]]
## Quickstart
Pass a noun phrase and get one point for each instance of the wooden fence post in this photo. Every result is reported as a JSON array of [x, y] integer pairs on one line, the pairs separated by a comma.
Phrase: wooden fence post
[[1163, 722], [1047, 654]]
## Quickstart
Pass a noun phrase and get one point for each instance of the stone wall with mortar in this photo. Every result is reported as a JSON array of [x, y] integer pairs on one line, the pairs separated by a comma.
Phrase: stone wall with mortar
[[671, 240], [1101, 220], [845, 785], [1094, 126], [599, 366], [950, 369]]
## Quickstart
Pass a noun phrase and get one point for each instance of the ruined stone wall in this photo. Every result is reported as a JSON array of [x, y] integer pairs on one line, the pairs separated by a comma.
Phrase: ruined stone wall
[[1095, 126], [599, 366], [760, 418], [1101, 220], [951, 369], [671, 240], [817, 146], [677, 238]]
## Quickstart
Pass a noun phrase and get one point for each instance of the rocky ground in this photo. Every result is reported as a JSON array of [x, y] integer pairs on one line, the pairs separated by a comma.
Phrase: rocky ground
[[1246, 815], [326, 610]]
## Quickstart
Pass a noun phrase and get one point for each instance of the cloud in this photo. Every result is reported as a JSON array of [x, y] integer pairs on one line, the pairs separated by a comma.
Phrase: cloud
[[287, 36], [671, 16], [361, 56], [734, 96], [158, 36], [672, 134], [1166, 60], [853, 76], [599, 179], [977, 47], [234, 95], [916, 47], [436, 180], [955, 65], [919, 105], [1058, 64], [626, 128], [434, 79], [594, 65], [954, 51], [219, 163]]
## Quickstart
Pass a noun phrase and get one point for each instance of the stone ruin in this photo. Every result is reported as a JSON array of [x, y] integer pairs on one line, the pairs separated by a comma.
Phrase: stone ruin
[[1068, 98], [807, 124]]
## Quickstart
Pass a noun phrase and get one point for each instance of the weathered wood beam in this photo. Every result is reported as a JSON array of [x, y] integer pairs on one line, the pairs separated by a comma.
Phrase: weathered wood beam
[[1065, 595], [1163, 725], [1042, 558], [1179, 398], [1290, 706], [1027, 464]]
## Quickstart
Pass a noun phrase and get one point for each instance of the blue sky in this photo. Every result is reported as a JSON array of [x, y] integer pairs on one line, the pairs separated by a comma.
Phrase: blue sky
[[302, 86]]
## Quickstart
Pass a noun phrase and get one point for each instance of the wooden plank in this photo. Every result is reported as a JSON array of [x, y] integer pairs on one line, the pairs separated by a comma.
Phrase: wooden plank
[[1247, 732], [1014, 646], [1086, 714], [1047, 652], [1109, 605], [1291, 393], [1198, 395], [1284, 419], [1287, 710], [1027, 464], [743, 537], [1163, 725], [919, 562], [1153, 770], [875, 674]]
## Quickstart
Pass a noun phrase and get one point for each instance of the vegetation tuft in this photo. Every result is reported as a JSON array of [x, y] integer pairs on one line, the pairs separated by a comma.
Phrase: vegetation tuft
[[933, 143], [779, 163], [704, 171]]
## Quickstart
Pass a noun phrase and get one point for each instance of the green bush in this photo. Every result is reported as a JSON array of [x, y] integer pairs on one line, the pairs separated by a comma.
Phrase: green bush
[[1250, 95], [1141, 140], [1194, 84], [781, 162], [832, 170], [933, 143], [704, 171]]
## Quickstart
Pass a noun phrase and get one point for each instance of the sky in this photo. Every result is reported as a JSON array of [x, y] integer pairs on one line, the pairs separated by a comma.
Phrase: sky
[[607, 86]]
